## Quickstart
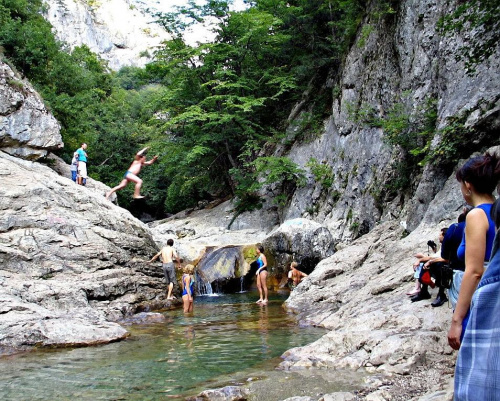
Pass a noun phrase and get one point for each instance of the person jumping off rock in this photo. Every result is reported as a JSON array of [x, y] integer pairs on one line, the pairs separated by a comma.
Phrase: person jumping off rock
[[132, 174]]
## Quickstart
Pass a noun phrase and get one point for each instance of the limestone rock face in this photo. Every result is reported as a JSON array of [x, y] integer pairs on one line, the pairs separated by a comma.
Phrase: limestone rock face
[[27, 129], [118, 30], [202, 237], [71, 263], [403, 61]]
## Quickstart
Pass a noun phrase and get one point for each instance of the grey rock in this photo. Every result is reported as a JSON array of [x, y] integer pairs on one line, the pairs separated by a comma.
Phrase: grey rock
[[341, 396], [404, 60], [71, 263], [303, 240], [27, 129], [298, 398], [228, 393], [120, 31], [370, 327]]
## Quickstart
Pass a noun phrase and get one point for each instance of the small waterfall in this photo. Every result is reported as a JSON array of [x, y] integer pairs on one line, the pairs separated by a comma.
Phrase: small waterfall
[[204, 287], [242, 283]]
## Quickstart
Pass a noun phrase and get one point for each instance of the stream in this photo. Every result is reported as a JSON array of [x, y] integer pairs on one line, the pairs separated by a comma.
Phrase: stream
[[229, 340]]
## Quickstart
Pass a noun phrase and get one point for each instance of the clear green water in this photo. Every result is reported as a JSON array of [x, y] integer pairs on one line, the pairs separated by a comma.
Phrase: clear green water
[[227, 335]]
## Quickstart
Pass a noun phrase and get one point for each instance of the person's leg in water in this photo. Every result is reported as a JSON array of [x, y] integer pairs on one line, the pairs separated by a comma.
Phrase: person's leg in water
[[263, 279], [259, 287], [186, 303]]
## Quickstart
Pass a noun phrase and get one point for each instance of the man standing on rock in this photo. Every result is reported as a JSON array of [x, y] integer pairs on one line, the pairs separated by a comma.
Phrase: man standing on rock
[[168, 255], [82, 164]]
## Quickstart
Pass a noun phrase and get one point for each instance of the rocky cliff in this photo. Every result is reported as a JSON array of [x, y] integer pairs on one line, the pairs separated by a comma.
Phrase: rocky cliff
[[71, 263], [27, 129], [120, 31], [398, 61]]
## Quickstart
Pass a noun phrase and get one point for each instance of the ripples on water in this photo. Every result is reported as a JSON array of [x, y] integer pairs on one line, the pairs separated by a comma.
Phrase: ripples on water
[[170, 360]]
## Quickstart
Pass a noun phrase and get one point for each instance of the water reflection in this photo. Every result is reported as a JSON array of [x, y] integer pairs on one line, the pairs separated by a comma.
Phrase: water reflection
[[264, 331]]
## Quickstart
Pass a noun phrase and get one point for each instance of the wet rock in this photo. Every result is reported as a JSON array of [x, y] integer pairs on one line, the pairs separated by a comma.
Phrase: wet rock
[[144, 318], [229, 393]]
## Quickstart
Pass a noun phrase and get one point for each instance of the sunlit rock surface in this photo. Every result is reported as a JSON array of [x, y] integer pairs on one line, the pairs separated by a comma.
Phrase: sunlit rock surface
[[302, 240], [120, 31], [404, 61]]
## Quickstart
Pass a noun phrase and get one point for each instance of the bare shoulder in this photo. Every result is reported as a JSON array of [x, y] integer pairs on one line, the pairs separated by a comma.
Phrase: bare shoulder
[[475, 216]]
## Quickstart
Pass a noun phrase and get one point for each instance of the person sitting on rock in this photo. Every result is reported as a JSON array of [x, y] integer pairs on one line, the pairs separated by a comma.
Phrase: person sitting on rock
[[295, 275], [450, 240], [419, 263], [131, 174]]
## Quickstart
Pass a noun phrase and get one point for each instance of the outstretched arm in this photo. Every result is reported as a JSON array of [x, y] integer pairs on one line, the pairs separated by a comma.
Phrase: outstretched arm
[[155, 257], [150, 162], [141, 152]]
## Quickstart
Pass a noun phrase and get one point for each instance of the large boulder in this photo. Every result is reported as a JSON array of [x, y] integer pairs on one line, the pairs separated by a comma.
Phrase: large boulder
[[27, 129], [71, 262], [302, 240]]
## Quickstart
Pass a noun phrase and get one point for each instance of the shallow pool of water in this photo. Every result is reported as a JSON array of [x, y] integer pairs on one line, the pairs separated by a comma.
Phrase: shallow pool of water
[[171, 360]]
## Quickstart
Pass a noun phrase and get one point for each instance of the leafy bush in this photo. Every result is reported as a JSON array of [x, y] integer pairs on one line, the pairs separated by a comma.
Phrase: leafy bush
[[322, 172]]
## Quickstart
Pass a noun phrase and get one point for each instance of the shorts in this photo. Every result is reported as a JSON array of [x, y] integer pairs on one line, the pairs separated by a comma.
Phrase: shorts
[[169, 271], [82, 169]]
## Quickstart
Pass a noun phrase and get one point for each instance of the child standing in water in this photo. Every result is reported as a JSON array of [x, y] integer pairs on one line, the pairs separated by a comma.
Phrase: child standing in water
[[295, 275], [187, 288], [261, 274]]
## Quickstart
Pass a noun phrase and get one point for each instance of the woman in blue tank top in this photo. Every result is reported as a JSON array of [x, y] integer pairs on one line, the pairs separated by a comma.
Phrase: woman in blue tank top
[[478, 178], [478, 367]]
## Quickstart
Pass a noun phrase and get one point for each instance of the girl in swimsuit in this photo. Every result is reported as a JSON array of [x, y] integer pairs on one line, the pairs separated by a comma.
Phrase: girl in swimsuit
[[261, 275], [187, 288]]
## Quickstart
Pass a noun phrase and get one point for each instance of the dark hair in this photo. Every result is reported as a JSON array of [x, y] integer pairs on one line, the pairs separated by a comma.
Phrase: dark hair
[[443, 230], [495, 213], [463, 215], [260, 248], [170, 242], [83, 143], [482, 172]]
